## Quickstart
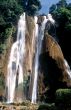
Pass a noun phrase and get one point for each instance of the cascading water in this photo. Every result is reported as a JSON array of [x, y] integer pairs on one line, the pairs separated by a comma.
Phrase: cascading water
[[39, 34], [65, 62], [49, 16], [15, 65], [67, 68]]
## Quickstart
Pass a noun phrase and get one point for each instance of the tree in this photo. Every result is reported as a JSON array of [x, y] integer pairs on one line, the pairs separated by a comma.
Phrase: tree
[[62, 3], [31, 6], [52, 8], [10, 10], [62, 16]]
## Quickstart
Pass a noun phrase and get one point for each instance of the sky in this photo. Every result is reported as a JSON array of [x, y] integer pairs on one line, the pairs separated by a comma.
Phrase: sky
[[47, 3]]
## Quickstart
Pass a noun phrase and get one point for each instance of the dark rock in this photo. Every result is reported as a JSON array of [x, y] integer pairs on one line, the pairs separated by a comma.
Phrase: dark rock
[[53, 66]]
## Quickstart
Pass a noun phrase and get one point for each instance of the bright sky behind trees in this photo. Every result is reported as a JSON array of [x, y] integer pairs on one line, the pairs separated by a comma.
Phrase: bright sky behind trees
[[47, 3]]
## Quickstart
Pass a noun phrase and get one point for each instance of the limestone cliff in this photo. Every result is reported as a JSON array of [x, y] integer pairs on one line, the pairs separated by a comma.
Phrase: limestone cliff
[[53, 71], [30, 40], [53, 66], [4, 60], [29, 54]]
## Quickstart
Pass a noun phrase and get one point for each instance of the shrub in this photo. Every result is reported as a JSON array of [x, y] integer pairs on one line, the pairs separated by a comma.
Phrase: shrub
[[1, 48], [2, 82], [63, 99], [47, 107]]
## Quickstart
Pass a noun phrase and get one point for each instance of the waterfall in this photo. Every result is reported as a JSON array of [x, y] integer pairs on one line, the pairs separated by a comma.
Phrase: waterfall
[[16, 59], [67, 68], [39, 34], [15, 64], [49, 16]]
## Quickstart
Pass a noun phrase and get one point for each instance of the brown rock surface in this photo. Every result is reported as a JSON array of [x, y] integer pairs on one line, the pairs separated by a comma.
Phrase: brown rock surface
[[52, 64], [4, 60], [19, 106], [29, 43]]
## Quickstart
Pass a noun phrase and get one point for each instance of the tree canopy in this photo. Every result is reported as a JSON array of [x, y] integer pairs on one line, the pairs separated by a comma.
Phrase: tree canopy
[[31, 6], [62, 15], [10, 10]]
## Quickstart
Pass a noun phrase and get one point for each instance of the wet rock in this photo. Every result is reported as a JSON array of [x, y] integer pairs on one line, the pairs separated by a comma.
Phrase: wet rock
[[53, 66]]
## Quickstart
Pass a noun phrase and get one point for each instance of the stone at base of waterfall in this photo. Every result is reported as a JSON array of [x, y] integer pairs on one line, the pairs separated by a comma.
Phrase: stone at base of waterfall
[[26, 105], [19, 96]]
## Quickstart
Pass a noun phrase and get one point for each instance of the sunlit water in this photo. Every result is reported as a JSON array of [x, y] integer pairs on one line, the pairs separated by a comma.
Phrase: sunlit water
[[67, 68], [39, 34], [15, 64]]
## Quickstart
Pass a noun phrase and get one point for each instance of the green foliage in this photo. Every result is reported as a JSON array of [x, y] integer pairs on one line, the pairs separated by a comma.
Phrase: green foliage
[[8, 32], [10, 11], [3, 37], [62, 3], [2, 47], [32, 6], [47, 107], [2, 21], [61, 12], [63, 98], [52, 8], [2, 82], [62, 101]]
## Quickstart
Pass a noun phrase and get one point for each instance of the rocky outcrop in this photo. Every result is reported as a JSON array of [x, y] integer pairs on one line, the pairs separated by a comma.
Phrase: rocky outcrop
[[19, 106], [53, 74], [30, 40], [5, 56], [4, 62], [29, 54], [53, 66]]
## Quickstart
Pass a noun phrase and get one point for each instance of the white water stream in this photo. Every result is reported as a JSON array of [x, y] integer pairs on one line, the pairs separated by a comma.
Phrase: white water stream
[[15, 64], [67, 68], [39, 34]]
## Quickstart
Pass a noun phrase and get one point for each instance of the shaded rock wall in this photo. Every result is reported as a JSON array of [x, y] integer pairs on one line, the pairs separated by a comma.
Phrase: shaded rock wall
[[52, 66]]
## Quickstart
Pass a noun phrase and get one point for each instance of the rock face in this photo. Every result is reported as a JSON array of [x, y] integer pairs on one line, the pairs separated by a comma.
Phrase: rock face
[[29, 43], [52, 65], [28, 55], [19, 106], [4, 61], [53, 71], [4, 58], [28, 59], [51, 27]]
